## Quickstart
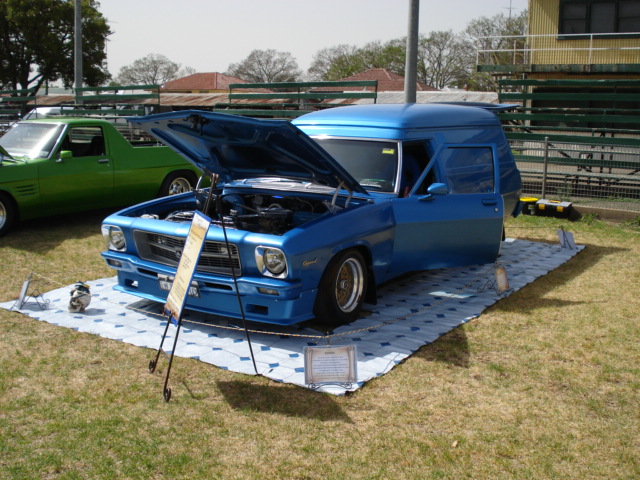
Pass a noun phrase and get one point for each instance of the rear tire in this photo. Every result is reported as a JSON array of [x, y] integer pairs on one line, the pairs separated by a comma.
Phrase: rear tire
[[8, 213], [342, 289], [177, 182]]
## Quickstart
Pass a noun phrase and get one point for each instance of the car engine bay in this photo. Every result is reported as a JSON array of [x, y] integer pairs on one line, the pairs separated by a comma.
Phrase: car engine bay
[[255, 212]]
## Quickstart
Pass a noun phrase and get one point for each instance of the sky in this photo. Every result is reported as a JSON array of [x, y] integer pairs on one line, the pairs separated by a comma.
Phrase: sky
[[209, 35]]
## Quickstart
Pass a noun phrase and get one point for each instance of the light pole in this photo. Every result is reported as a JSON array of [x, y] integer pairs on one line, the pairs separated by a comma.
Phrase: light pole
[[411, 64]]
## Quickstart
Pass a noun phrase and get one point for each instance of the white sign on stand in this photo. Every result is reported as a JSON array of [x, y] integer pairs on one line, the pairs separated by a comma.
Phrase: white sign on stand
[[188, 261], [502, 281], [566, 239], [330, 365]]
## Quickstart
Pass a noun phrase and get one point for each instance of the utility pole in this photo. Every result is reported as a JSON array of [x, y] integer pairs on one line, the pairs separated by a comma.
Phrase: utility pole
[[77, 50], [411, 64]]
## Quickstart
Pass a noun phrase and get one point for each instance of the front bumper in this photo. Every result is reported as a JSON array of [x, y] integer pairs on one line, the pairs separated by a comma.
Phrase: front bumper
[[284, 304]]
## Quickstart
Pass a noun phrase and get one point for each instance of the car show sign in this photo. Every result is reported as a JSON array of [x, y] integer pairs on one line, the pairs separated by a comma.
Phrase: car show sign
[[330, 365], [181, 285]]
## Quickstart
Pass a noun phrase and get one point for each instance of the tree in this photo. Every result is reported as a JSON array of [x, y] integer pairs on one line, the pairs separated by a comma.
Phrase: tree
[[444, 59], [499, 36], [325, 58], [266, 66], [154, 69], [37, 43], [343, 61]]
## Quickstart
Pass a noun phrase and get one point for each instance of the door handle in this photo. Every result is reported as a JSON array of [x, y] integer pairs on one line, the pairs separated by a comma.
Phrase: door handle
[[489, 201], [103, 160]]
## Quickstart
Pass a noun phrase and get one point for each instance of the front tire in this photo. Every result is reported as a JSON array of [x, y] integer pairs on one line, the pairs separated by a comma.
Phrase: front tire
[[177, 182], [8, 213], [342, 289]]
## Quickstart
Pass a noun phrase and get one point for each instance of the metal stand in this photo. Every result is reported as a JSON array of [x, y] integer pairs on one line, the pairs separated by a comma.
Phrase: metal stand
[[166, 391], [315, 386], [501, 288], [493, 285], [35, 294]]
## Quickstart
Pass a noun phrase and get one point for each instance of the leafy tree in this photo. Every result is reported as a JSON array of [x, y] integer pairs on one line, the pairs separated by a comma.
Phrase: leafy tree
[[154, 69], [343, 61], [37, 43], [325, 58], [266, 66]]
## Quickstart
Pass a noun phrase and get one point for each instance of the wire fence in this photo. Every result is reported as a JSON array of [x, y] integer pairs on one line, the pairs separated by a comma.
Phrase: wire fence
[[604, 176]]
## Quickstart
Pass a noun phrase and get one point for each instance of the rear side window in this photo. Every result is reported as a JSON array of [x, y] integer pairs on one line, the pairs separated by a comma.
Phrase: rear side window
[[468, 169]]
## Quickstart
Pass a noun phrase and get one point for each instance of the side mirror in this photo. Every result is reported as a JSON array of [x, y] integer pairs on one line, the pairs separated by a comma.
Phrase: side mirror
[[435, 189], [438, 189], [64, 154]]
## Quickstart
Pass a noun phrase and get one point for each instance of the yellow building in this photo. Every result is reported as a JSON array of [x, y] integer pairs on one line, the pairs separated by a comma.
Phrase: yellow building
[[576, 75], [584, 37], [577, 38]]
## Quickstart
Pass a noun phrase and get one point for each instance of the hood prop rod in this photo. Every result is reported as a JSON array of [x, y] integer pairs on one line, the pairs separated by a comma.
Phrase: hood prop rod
[[341, 186]]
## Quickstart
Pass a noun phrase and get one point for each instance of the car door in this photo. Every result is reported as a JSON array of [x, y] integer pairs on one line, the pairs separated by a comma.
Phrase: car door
[[79, 176], [453, 215]]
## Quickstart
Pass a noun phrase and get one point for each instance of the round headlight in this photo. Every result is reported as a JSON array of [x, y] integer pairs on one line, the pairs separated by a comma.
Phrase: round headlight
[[113, 238], [274, 260]]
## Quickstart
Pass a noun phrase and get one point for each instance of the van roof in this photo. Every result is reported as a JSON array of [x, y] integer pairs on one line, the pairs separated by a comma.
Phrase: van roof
[[401, 116]]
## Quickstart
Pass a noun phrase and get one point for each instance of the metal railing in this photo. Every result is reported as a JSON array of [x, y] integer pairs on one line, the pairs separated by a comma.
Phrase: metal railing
[[583, 48]]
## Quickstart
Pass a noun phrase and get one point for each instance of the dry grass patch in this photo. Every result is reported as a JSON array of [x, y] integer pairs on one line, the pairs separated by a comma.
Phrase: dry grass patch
[[545, 384]]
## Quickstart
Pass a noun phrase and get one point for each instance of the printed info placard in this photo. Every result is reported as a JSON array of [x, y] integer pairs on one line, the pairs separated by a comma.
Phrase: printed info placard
[[330, 364], [187, 266]]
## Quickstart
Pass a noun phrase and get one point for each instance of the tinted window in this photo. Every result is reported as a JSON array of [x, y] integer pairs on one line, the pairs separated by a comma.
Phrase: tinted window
[[599, 16], [414, 160], [468, 169], [84, 141]]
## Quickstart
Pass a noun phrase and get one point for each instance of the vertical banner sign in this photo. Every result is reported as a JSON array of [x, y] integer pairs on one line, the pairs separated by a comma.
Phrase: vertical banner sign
[[193, 247]]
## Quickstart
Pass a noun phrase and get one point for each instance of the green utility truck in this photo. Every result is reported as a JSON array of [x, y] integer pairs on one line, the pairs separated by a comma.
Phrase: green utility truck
[[67, 165]]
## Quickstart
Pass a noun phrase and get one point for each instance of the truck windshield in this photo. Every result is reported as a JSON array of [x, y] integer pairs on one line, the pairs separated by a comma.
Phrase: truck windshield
[[31, 140], [373, 164]]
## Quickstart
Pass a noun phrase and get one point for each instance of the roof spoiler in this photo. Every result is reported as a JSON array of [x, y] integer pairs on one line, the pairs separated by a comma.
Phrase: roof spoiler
[[494, 107]]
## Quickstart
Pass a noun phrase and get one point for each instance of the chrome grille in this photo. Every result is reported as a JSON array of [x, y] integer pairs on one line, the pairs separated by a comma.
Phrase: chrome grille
[[167, 250]]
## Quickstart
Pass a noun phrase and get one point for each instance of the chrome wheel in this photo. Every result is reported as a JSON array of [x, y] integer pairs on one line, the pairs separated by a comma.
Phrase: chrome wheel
[[8, 213], [349, 285], [179, 185], [342, 289], [3, 215]]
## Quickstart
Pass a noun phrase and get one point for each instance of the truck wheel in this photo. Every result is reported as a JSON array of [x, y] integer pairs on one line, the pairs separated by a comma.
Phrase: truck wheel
[[342, 289], [7, 213], [177, 182]]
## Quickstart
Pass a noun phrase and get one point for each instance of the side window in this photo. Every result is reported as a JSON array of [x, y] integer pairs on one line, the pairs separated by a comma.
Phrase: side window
[[84, 141], [415, 158], [468, 169]]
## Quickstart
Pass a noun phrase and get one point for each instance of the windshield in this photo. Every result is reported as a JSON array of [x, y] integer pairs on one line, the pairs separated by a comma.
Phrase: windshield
[[31, 140], [373, 164]]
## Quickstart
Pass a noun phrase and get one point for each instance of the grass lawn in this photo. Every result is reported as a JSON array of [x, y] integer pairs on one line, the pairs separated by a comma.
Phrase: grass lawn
[[544, 385]]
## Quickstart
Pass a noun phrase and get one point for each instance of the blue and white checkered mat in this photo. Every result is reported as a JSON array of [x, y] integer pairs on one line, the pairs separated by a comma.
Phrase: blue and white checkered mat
[[411, 312]]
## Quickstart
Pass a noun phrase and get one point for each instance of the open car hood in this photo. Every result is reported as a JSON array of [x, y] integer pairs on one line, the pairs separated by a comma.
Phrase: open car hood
[[240, 147]]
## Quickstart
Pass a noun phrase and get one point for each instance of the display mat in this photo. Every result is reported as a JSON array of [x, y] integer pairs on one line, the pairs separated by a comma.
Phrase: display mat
[[411, 312]]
